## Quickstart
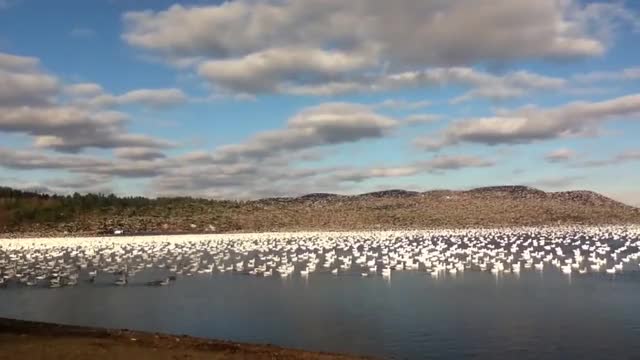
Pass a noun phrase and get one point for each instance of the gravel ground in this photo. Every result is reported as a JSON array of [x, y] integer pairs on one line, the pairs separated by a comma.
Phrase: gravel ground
[[32, 340]]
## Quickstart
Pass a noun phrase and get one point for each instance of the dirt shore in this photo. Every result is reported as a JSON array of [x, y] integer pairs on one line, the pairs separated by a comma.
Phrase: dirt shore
[[34, 340]]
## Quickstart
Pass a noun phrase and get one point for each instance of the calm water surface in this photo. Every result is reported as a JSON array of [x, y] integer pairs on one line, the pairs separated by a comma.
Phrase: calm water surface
[[473, 315]]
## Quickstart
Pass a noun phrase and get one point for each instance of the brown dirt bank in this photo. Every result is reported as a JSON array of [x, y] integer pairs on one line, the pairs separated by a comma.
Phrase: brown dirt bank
[[34, 340]]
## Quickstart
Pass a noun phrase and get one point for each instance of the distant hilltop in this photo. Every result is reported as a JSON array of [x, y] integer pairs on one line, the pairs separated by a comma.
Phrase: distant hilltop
[[24, 213], [513, 191]]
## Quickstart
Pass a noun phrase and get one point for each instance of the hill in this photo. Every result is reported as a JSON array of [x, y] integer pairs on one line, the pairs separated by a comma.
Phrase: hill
[[24, 213]]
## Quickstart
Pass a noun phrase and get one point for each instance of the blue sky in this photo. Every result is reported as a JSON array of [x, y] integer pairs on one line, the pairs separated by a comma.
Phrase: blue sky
[[247, 99]]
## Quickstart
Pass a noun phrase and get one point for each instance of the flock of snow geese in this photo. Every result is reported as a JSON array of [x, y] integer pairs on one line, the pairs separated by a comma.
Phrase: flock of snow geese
[[61, 262]]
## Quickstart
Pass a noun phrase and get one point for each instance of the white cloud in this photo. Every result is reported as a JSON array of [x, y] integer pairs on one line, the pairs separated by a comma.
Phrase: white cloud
[[32, 103], [436, 165], [152, 98], [22, 82], [264, 71], [531, 124], [324, 47], [22, 159], [407, 31], [10, 62], [325, 124], [138, 153], [55, 119], [83, 164], [71, 129], [482, 84], [102, 140], [259, 166], [93, 95], [84, 90]]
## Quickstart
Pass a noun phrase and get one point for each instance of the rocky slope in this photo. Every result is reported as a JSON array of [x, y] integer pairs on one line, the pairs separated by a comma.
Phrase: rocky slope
[[391, 209]]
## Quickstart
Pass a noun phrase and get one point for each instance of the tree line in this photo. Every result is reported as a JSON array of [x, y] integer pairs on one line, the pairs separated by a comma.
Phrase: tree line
[[20, 206]]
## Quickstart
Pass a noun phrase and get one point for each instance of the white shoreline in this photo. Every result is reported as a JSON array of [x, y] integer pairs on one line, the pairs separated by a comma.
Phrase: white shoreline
[[179, 238]]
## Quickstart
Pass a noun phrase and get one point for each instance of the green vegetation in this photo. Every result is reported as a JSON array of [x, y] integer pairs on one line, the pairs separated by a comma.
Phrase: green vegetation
[[23, 209], [17, 207]]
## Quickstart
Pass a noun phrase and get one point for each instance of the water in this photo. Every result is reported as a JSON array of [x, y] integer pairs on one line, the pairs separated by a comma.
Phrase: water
[[473, 315]]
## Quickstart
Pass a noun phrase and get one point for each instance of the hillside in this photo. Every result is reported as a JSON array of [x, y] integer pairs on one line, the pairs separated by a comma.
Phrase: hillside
[[32, 214]]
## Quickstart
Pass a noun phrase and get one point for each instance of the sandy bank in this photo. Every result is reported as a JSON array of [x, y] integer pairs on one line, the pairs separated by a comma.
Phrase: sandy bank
[[33, 340]]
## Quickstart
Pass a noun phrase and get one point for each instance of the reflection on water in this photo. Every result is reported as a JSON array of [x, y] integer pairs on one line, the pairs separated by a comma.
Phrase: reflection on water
[[531, 315]]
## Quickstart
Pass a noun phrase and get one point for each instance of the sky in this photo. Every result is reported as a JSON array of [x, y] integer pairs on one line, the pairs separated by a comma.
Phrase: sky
[[247, 99]]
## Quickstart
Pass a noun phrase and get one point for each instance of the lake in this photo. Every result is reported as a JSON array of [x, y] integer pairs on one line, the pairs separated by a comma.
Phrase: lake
[[409, 315]]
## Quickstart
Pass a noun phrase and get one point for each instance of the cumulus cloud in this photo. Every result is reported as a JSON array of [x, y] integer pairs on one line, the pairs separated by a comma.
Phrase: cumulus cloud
[[482, 84], [84, 90], [22, 82], [138, 153], [410, 31], [457, 162], [10, 62], [93, 95], [26, 89], [265, 70], [532, 124], [191, 174], [32, 102], [436, 165], [260, 166], [102, 140], [321, 47], [71, 129], [153, 98], [56, 120], [201, 174], [81, 164], [247, 180], [325, 124], [29, 160]]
